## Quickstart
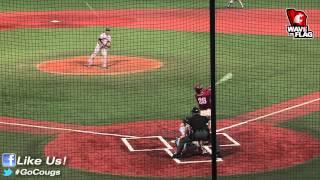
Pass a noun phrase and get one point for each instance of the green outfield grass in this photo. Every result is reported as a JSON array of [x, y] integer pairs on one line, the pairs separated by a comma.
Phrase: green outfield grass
[[272, 4], [35, 5], [266, 70], [161, 94], [261, 73], [309, 124], [50, 5]]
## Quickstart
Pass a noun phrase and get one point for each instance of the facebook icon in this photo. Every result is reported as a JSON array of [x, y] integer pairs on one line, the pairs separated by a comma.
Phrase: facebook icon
[[9, 160]]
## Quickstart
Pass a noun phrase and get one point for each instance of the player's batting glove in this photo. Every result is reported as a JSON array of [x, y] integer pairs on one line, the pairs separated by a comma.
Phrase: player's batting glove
[[108, 45]]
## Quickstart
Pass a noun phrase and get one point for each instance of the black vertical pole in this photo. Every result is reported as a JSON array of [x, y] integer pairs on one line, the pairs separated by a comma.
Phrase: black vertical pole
[[213, 97]]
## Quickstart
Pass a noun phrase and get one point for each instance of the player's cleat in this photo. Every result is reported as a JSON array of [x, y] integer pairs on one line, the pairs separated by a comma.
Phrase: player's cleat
[[230, 2], [218, 155], [203, 151], [176, 156]]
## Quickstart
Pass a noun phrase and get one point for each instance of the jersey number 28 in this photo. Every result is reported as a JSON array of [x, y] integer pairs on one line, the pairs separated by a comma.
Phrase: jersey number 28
[[202, 100]]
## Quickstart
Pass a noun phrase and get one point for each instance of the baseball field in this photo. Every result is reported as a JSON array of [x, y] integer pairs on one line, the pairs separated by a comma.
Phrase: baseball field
[[118, 123]]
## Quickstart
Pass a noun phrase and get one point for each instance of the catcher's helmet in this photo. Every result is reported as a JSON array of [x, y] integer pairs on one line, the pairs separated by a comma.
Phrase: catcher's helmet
[[198, 88], [195, 110]]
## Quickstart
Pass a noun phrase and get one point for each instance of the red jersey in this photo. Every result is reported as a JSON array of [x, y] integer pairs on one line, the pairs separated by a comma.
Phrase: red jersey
[[204, 99]]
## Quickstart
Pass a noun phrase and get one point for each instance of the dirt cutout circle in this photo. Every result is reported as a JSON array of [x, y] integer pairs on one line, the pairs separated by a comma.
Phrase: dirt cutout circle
[[264, 145], [117, 65], [109, 155]]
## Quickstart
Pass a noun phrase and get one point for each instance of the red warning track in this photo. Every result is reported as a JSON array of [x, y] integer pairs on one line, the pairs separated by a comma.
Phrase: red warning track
[[192, 20], [264, 147], [230, 21]]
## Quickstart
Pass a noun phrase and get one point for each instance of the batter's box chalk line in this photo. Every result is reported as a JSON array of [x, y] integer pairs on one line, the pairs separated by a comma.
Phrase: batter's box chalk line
[[129, 146], [167, 147], [232, 141]]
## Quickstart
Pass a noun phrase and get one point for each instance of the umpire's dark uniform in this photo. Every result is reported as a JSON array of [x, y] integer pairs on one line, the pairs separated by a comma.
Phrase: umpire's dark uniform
[[199, 125], [200, 130]]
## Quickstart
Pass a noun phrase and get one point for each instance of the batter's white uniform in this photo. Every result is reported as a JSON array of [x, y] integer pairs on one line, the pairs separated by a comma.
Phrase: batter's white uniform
[[103, 40], [206, 113]]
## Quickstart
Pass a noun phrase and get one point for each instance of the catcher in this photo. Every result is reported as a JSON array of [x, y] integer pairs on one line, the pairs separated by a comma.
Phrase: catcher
[[103, 45], [194, 128]]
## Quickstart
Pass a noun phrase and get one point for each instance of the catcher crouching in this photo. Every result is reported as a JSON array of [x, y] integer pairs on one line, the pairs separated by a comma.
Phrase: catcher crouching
[[194, 131]]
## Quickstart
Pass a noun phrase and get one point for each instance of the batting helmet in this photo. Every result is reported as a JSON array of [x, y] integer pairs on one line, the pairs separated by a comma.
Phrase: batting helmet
[[198, 88]]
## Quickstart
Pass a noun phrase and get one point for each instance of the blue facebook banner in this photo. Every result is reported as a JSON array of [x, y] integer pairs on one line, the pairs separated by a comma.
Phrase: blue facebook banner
[[9, 160]]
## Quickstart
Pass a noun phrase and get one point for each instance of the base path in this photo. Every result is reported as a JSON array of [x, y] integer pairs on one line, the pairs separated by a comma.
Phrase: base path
[[117, 65], [264, 147]]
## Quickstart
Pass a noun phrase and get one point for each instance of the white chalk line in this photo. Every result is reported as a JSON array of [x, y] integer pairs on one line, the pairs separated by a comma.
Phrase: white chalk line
[[55, 21], [66, 129], [166, 149], [234, 142], [123, 137], [91, 8], [126, 142], [267, 115], [129, 136], [88, 5]]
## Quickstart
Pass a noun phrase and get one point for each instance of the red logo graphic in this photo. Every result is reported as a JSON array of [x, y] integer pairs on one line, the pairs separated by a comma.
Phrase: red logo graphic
[[298, 27], [297, 18]]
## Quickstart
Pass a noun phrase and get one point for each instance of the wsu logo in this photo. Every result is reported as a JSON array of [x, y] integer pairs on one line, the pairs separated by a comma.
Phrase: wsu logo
[[298, 27]]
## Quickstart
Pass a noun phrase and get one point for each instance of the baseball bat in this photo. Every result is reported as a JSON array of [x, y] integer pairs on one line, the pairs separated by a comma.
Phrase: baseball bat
[[225, 78]]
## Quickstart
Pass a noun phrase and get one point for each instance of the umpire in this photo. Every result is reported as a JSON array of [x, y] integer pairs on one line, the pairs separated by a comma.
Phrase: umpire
[[199, 126], [199, 131]]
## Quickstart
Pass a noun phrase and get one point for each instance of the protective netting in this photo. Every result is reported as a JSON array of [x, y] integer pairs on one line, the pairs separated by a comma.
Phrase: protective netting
[[99, 87], [270, 108], [96, 89]]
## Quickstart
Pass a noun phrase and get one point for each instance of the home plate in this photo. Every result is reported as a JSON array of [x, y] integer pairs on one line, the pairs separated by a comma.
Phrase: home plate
[[55, 21]]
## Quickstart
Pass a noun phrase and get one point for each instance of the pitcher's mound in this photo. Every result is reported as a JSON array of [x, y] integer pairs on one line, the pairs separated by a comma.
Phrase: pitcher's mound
[[116, 65]]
